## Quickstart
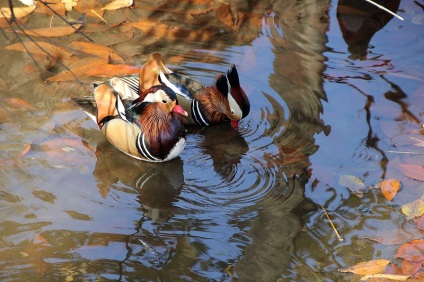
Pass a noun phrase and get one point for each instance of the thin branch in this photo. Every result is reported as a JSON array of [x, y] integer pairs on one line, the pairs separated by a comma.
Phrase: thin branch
[[385, 9], [62, 18]]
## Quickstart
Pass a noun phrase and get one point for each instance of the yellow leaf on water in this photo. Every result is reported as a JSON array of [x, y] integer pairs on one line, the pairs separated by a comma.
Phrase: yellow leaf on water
[[368, 267], [389, 187], [19, 12], [118, 4], [413, 209]]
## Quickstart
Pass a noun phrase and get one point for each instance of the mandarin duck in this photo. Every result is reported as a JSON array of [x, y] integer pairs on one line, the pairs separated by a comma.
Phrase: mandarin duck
[[149, 128], [206, 105]]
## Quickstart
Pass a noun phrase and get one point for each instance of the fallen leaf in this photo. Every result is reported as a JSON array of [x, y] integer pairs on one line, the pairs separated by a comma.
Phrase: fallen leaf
[[109, 70], [26, 150], [28, 2], [40, 240], [51, 31], [419, 222], [412, 251], [18, 104], [69, 4], [56, 7], [79, 69], [98, 50], [18, 12], [87, 6], [118, 4], [41, 48], [353, 183], [389, 187], [393, 277], [367, 267], [411, 267], [413, 209], [413, 171]]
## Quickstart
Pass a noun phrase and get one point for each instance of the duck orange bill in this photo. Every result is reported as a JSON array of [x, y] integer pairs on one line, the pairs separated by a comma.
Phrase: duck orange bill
[[234, 124], [180, 110]]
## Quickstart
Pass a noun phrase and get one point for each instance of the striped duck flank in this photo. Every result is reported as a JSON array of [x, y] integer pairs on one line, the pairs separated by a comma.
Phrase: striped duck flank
[[149, 128], [221, 102]]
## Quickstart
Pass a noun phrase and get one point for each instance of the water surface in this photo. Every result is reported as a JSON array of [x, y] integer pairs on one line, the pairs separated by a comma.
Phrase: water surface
[[238, 204]]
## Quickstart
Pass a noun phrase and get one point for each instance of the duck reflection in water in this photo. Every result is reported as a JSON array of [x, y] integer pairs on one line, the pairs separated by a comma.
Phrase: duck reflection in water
[[360, 20], [157, 184], [225, 146]]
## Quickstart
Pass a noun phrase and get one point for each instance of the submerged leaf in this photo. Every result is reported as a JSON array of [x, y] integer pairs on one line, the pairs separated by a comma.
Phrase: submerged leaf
[[368, 267], [80, 70], [412, 251], [413, 171], [51, 31], [109, 70], [97, 50], [18, 12], [419, 222], [353, 183], [41, 48], [414, 209], [389, 187]]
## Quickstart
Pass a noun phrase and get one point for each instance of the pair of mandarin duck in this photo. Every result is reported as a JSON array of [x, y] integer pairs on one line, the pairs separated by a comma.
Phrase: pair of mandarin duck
[[144, 115]]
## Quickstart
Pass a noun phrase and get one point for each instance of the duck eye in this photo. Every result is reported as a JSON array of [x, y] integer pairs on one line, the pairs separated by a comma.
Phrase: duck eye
[[232, 112], [164, 101]]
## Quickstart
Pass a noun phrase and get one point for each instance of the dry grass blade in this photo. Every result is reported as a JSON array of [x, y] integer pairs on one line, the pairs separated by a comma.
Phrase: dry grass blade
[[332, 225]]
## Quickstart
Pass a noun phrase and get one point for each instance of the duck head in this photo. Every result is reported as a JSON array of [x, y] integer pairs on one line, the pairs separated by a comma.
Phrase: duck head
[[161, 98], [238, 104]]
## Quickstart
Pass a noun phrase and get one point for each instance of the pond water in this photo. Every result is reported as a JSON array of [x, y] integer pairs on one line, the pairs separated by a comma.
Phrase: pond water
[[335, 94]]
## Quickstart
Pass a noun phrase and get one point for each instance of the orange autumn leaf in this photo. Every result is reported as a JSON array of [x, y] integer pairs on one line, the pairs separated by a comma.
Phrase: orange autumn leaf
[[368, 267], [413, 171], [26, 150], [97, 50], [51, 31], [411, 267], [87, 6], [18, 104], [40, 240], [389, 187], [109, 70], [79, 69], [412, 251], [19, 12], [118, 4], [41, 48], [55, 5]]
